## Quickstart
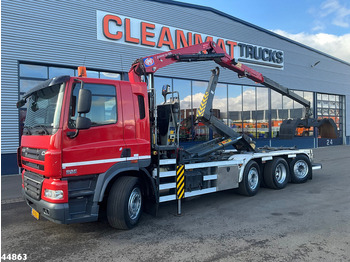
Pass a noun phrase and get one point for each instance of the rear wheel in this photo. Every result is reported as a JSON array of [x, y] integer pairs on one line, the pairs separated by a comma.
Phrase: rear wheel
[[124, 205], [250, 183], [276, 173], [300, 169]]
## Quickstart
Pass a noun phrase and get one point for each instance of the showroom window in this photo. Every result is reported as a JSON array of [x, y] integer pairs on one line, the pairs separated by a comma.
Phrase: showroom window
[[331, 106]]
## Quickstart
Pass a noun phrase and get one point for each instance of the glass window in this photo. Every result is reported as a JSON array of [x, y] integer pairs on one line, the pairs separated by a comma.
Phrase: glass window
[[25, 84], [44, 109], [249, 111], [108, 75], [186, 113], [103, 108], [59, 71], [201, 132], [220, 102], [33, 71], [235, 107], [142, 110], [329, 107], [159, 82], [276, 107], [92, 74], [262, 113]]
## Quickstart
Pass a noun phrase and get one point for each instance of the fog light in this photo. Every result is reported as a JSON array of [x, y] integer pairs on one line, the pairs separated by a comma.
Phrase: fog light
[[54, 194]]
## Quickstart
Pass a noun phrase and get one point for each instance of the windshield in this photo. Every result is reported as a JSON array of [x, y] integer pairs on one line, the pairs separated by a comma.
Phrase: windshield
[[44, 111]]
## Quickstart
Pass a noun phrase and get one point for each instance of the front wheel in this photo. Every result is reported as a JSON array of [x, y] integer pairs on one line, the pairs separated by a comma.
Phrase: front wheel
[[124, 205], [250, 183]]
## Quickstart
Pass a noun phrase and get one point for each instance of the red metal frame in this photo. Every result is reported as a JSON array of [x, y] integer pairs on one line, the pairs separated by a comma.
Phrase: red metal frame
[[150, 64]]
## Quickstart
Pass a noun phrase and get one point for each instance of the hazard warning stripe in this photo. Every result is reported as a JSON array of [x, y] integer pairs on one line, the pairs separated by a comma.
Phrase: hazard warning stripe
[[201, 109], [180, 181]]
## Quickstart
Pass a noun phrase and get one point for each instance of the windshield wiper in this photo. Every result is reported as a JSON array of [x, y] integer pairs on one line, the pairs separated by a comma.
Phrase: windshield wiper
[[46, 132]]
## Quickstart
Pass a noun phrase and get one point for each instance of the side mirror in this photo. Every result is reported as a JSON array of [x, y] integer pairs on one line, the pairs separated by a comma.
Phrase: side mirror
[[84, 101], [83, 123]]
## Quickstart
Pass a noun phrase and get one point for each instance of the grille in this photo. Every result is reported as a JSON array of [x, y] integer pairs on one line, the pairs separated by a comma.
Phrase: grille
[[32, 184], [34, 153], [33, 165]]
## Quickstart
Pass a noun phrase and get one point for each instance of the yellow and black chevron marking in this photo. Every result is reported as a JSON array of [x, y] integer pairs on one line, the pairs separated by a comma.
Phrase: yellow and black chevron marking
[[201, 109], [180, 181], [222, 143]]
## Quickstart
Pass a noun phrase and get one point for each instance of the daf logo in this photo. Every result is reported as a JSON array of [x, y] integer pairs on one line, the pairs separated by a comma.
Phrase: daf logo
[[71, 171]]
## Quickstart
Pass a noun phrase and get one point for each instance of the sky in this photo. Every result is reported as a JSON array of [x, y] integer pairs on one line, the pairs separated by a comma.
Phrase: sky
[[321, 24]]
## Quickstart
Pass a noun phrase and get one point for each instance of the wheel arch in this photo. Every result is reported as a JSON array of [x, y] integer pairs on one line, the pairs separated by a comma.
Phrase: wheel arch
[[107, 179]]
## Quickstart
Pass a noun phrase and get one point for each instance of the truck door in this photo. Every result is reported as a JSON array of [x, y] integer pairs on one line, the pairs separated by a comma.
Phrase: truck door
[[96, 149]]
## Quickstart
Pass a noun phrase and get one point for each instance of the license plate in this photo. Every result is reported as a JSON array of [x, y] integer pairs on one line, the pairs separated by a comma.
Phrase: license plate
[[35, 213]]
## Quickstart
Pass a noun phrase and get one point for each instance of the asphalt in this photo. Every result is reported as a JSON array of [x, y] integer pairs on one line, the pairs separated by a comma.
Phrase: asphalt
[[11, 189]]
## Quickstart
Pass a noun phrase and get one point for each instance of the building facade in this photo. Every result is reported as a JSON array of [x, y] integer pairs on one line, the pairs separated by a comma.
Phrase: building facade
[[42, 39]]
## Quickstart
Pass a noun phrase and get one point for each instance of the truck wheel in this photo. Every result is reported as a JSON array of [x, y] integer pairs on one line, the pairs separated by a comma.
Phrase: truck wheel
[[276, 173], [300, 169], [124, 205], [250, 183]]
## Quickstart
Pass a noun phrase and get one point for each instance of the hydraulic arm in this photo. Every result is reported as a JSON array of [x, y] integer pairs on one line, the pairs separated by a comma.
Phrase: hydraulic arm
[[210, 51]]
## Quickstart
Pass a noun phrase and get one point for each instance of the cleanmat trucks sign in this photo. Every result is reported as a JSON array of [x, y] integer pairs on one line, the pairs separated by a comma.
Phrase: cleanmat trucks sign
[[131, 31]]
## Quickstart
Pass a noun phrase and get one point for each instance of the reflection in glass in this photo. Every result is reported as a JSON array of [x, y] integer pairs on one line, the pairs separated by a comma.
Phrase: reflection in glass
[[33, 71], [26, 85], [329, 107], [92, 74], [108, 75], [159, 82], [186, 116], [235, 107], [276, 107], [249, 111], [60, 71], [200, 132], [262, 113]]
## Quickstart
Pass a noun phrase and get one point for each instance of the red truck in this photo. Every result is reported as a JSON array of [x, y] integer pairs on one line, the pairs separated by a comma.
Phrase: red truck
[[92, 145]]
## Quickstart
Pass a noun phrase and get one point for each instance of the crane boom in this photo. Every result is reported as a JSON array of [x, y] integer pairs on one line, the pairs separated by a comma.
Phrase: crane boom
[[211, 51]]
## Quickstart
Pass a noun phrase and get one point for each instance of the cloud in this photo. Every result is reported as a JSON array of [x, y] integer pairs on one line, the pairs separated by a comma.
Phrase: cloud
[[337, 46], [339, 14], [330, 12]]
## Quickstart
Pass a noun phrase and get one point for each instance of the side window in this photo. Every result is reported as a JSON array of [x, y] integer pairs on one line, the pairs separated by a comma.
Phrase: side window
[[141, 106], [103, 108]]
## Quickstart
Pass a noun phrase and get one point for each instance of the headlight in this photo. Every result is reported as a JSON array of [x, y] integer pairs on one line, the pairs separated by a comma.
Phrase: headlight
[[54, 194]]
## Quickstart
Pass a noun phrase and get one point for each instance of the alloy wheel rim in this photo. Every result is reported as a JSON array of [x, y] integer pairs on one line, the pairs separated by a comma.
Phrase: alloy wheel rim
[[301, 169], [280, 173], [253, 178], [134, 204]]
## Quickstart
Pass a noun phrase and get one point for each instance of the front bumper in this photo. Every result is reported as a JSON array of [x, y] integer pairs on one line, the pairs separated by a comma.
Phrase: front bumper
[[58, 213]]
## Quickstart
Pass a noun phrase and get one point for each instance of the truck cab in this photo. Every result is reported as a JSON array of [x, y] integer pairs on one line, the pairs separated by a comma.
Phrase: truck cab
[[70, 156]]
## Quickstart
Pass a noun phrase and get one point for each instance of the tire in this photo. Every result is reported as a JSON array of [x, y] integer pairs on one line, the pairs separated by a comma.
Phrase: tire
[[276, 173], [125, 203], [250, 183], [300, 169]]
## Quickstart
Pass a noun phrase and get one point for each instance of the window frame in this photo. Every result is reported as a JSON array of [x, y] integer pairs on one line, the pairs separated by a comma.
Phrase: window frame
[[98, 95]]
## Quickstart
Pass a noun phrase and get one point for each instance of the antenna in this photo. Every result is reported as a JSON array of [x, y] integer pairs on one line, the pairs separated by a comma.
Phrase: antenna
[[121, 62], [84, 60]]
